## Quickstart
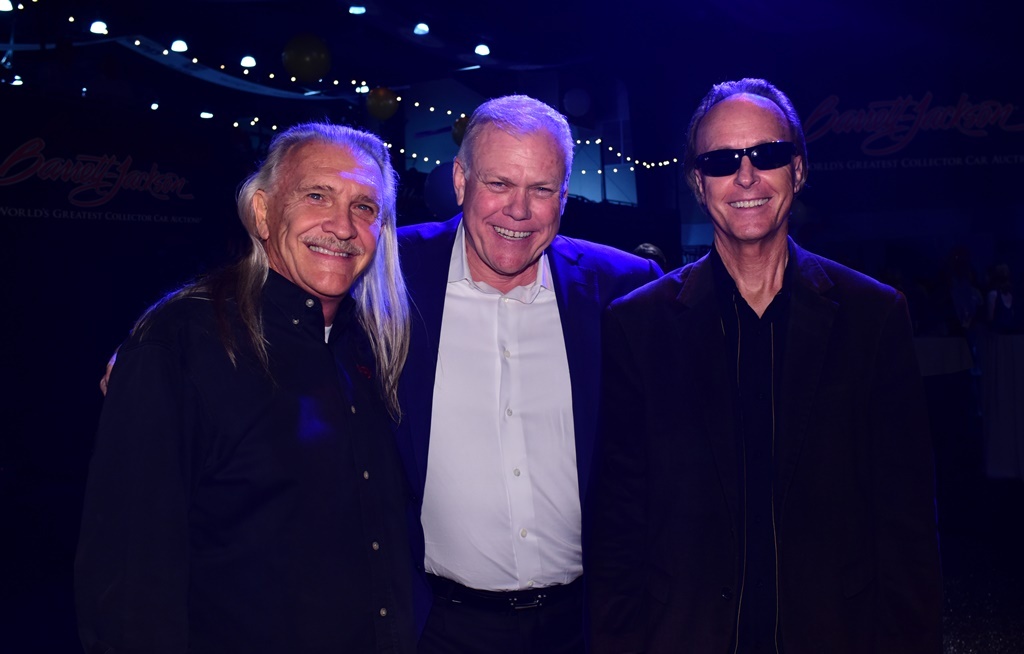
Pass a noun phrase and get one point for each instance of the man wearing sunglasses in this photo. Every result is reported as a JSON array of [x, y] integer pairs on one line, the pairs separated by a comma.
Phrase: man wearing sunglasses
[[764, 478]]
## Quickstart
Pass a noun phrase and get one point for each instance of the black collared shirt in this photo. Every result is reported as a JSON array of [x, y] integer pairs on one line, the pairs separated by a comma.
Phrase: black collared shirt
[[232, 511], [756, 347]]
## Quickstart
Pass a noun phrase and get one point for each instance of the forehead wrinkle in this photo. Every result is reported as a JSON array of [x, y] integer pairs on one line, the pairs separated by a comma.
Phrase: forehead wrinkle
[[537, 148], [335, 188], [741, 132]]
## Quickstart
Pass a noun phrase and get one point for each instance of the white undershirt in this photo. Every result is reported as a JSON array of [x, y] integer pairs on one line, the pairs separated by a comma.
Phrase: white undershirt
[[501, 508]]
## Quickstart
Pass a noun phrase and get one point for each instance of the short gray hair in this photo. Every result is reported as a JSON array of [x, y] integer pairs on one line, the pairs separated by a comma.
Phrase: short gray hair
[[518, 115]]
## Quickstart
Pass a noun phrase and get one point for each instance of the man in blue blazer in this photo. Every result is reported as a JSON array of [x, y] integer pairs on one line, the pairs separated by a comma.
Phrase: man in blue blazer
[[499, 393]]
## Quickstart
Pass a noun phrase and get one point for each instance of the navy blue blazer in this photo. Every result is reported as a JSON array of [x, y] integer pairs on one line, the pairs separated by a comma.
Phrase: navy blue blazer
[[587, 278]]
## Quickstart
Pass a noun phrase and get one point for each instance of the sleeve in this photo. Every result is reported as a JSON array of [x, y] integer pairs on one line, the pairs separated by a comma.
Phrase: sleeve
[[647, 272], [131, 567], [909, 605], [654, 271], [617, 515]]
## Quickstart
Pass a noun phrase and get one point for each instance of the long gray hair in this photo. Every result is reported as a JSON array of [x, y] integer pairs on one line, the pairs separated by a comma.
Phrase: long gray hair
[[381, 301]]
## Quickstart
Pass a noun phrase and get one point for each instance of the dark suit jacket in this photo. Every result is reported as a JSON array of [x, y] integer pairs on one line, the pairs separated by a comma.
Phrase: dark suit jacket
[[587, 277], [854, 506]]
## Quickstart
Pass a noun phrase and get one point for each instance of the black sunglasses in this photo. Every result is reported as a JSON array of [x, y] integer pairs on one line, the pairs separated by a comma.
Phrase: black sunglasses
[[765, 156]]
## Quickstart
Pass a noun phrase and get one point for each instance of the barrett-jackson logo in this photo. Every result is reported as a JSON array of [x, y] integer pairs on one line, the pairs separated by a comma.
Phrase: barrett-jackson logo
[[891, 124], [96, 179]]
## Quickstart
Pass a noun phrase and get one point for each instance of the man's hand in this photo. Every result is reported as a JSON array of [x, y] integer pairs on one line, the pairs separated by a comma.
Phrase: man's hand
[[106, 375]]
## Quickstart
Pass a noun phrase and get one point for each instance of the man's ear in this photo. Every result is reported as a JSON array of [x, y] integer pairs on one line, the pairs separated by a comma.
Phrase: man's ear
[[459, 180], [698, 187], [799, 173], [259, 209]]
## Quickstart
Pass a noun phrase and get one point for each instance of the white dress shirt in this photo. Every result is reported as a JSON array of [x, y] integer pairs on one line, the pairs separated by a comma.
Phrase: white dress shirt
[[501, 507]]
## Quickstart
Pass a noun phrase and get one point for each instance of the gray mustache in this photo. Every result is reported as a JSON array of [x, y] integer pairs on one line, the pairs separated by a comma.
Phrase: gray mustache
[[335, 245]]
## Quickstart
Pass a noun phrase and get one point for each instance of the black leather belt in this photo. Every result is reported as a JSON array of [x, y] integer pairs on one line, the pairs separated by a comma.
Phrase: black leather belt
[[490, 600]]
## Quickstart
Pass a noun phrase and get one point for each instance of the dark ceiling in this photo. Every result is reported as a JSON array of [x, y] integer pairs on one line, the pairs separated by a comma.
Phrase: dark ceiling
[[527, 35], [378, 47], [664, 55]]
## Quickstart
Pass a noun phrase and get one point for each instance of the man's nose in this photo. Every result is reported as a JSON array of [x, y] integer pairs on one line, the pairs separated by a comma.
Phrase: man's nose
[[340, 224], [747, 175], [518, 206]]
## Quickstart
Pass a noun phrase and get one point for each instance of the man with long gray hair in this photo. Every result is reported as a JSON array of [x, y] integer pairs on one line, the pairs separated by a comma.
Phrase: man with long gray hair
[[245, 493]]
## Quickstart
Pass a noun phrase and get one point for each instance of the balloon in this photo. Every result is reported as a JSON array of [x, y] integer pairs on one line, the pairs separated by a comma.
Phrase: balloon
[[382, 103], [459, 129], [306, 57], [439, 192]]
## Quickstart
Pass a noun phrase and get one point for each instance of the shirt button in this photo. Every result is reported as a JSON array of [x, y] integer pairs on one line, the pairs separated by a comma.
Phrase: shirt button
[[522, 532], [366, 474], [529, 584], [309, 302], [295, 321], [507, 354], [505, 300], [516, 472], [383, 613], [508, 412], [353, 408], [375, 545]]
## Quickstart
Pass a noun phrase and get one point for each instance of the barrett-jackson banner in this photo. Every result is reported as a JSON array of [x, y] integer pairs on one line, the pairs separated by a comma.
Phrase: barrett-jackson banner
[[94, 179], [139, 201], [90, 166], [103, 211], [887, 127], [951, 154]]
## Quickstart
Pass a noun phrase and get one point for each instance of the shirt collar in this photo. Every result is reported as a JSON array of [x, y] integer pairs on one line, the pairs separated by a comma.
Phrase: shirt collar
[[302, 307], [725, 285], [458, 271]]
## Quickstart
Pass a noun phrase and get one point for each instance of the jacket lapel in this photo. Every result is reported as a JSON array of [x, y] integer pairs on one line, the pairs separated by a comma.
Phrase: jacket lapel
[[810, 325], [425, 262], [579, 311], [706, 373]]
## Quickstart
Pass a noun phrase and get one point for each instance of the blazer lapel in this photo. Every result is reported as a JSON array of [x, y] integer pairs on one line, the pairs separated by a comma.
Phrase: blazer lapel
[[706, 373], [579, 310], [811, 316], [425, 262]]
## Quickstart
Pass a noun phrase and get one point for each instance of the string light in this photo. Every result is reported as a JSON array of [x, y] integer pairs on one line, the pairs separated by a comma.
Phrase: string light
[[361, 87]]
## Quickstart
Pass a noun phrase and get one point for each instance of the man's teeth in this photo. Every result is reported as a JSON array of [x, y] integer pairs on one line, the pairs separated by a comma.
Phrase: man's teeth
[[747, 204], [317, 248], [508, 233]]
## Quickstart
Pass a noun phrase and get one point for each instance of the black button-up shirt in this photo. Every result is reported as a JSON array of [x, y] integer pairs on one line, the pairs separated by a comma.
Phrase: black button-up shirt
[[756, 348], [228, 510]]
